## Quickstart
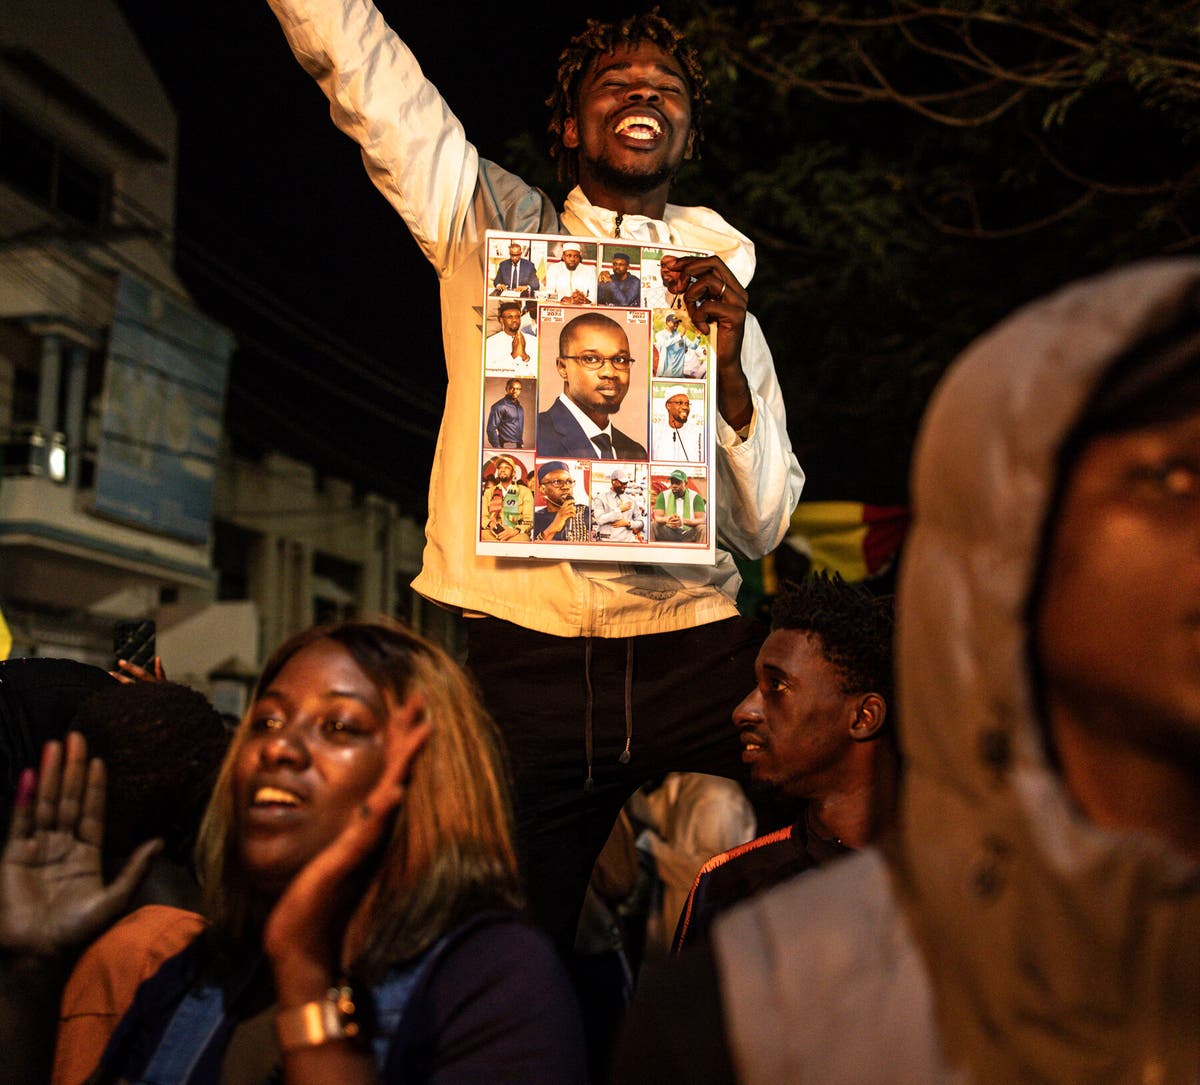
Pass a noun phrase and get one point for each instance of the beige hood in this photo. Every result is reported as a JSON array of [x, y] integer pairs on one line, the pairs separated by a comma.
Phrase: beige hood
[[1059, 952]]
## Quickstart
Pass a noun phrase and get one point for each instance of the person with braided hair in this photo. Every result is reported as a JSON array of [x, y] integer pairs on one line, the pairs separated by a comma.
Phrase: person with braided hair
[[652, 643]]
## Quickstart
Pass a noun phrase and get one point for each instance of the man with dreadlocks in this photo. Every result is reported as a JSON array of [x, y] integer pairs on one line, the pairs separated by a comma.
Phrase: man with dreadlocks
[[635, 668]]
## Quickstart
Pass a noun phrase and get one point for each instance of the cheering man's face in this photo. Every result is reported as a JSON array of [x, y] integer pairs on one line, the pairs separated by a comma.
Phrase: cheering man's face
[[633, 121]]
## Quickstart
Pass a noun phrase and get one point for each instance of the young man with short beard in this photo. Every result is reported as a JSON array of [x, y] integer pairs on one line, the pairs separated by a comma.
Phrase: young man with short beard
[[620, 287], [662, 648], [570, 281], [817, 733]]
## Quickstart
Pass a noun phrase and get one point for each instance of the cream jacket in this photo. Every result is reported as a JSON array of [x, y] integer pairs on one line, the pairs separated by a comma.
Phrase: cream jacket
[[418, 156]]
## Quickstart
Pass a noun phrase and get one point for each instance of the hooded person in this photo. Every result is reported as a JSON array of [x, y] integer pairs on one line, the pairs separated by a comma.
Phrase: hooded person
[[1036, 917]]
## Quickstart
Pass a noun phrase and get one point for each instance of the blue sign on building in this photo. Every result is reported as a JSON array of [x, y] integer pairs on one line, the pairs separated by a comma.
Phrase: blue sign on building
[[164, 398]]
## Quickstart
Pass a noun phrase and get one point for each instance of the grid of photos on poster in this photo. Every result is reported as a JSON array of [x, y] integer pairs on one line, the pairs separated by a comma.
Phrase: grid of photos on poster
[[596, 434]]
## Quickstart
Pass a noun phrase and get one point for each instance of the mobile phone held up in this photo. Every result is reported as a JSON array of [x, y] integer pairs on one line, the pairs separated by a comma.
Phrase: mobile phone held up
[[133, 640]]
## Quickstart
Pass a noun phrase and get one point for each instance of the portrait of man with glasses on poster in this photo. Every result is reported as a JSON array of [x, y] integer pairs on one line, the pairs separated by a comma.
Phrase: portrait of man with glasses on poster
[[596, 364], [595, 371]]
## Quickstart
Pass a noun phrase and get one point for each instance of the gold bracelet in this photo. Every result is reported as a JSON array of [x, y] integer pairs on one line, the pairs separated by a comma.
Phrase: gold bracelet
[[319, 1022]]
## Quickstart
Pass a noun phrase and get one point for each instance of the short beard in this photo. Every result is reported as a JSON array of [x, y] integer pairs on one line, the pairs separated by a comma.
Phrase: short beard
[[632, 182]]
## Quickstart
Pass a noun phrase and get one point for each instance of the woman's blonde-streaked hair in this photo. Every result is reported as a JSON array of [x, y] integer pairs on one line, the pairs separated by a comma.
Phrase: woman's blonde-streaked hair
[[450, 852]]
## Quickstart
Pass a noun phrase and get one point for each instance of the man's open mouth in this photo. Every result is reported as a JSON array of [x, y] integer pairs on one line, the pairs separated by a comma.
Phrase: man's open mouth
[[636, 126]]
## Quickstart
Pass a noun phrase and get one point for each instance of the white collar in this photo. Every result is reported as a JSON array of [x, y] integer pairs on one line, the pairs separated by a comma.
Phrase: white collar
[[680, 227]]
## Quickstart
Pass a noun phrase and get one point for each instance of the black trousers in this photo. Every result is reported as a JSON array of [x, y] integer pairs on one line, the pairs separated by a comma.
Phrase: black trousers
[[682, 688]]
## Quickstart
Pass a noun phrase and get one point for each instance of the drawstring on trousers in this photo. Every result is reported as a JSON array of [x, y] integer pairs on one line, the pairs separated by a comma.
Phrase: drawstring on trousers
[[624, 758], [589, 783], [588, 730]]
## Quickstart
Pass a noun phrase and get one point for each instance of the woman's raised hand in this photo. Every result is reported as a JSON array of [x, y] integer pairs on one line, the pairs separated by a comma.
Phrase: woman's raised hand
[[52, 891]]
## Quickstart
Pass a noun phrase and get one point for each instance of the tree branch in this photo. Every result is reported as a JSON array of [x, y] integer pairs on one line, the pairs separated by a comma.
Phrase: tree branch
[[1099, 186], [917, 105], [979, 232]]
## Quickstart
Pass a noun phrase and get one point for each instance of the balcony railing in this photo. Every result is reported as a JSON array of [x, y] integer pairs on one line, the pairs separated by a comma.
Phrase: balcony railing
[[28, 449]]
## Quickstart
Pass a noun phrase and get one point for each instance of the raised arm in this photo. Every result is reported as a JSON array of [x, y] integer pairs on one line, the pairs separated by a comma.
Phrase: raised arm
[[413, 146], [52, 898]]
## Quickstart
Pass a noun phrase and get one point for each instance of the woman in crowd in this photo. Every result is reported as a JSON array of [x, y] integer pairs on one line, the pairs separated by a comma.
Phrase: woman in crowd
[[360, 893]]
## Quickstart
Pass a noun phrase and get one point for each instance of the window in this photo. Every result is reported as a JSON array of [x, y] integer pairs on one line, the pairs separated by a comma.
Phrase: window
[[36, 165], [335, 585], [232, 552]]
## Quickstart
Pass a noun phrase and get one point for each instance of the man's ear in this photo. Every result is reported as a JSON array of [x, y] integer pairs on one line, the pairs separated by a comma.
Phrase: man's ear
[[691, 144], [561, 366], [869, 715], [570, 134]]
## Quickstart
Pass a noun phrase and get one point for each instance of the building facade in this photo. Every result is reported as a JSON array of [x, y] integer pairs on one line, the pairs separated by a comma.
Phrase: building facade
[[119, 495]]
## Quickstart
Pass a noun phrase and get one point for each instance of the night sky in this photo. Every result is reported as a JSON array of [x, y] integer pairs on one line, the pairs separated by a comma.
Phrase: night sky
[[274, 204]]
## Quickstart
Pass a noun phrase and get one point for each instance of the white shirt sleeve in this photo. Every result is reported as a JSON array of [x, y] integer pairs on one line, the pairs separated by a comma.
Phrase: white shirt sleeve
[[760, 478], [414, 148]]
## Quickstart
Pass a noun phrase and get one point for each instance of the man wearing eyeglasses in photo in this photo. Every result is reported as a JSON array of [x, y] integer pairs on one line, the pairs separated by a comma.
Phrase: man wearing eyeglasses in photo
[[562, 520], [594, 362], [678, 436]]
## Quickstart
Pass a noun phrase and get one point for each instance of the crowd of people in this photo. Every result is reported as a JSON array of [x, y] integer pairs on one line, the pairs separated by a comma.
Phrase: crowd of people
[[985, 865]]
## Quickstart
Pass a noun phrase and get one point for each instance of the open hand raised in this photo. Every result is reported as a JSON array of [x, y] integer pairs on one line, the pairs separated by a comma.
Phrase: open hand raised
[[52, 891]]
